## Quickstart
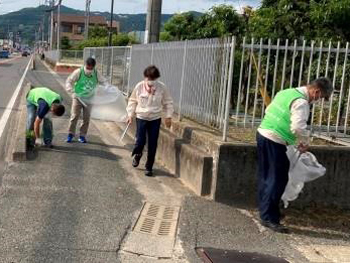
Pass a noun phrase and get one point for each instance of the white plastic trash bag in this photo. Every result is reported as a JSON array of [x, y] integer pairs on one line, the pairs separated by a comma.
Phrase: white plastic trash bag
[[303, 168], [108, 104]]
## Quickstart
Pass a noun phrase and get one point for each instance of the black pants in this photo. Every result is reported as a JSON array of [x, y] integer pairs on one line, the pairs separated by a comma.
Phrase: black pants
[[151, 129], [273, 167]]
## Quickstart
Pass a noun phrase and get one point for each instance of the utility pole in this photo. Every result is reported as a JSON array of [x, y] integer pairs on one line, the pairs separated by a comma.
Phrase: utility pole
[[87, 19], [59, 24], [153, 21], [52, 3], [43, 30], [110, 33]]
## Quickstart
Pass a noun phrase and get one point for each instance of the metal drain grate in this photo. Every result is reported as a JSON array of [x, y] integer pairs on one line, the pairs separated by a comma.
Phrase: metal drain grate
[[213, 255], [157, 220]]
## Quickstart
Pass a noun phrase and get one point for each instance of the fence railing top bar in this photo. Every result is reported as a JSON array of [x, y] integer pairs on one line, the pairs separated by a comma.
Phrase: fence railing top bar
[[204, 46], [118, 47], [292, 48]]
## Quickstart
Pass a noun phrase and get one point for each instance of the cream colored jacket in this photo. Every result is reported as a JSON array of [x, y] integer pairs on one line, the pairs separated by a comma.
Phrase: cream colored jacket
[[148, 106]]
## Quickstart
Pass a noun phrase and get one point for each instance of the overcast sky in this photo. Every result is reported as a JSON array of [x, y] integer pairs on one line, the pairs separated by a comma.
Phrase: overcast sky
[[129, 6]]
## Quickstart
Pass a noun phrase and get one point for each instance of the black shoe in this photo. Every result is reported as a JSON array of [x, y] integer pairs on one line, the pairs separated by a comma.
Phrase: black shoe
[[136, 160], [275, 227], [148, 173], [50, 146]]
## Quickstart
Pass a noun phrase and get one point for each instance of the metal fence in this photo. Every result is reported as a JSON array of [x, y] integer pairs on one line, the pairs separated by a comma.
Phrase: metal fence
[[52, 55], [196, 72], [113, 63], [72, 57], [66, 56], [227, 83], [266, 68]]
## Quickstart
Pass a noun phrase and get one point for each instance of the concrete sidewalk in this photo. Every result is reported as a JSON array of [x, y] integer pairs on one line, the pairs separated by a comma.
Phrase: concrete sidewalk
[[82, 202]]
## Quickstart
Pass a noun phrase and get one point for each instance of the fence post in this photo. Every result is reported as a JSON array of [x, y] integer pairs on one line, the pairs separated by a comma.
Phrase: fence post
[[124, 69], [229, 90], [76, 55], [152, 51], [182, 79], [111, 71], [102, 60], [129, 73], [58, 55]]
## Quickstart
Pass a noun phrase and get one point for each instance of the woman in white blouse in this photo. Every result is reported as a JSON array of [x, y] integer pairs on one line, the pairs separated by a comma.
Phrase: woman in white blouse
[[148, 102]]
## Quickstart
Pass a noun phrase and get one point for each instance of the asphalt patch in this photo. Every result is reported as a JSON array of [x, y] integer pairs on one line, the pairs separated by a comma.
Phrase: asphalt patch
[[213, 255]]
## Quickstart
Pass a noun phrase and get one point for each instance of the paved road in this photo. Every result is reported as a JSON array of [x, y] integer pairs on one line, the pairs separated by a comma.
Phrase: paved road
[[10, 74], [79, 203], [11, 71]]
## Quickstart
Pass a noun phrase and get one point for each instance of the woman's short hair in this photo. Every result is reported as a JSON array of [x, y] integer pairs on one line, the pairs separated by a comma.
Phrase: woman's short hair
[[151, 72]]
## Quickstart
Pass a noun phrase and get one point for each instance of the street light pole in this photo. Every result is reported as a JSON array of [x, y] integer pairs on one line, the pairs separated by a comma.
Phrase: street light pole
[[111, 25]]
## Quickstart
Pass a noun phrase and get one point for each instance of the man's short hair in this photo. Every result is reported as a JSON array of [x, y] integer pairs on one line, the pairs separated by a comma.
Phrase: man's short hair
[[151, 72], [58, 109], [325, 86], [91, 62]]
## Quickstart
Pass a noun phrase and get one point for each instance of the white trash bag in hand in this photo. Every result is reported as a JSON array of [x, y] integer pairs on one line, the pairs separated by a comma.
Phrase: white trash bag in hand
[[108, 104], [303, 168]]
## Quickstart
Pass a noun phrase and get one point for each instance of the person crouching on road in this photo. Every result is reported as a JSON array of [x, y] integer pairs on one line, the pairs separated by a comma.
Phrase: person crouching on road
[[40, 101], [148, 101], [285, 123], [82, 84]]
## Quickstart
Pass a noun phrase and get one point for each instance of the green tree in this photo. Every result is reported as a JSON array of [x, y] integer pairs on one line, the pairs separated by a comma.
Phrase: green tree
[[219, 21], [301, 19], [165, 36], [330, 19], [284, 19], [222, 20], [123, 40], [98, 32], [65, 44], [181, 26], [117, 40]]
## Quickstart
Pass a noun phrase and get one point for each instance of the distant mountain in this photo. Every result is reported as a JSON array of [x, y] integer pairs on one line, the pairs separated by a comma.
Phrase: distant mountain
[[27, 21]]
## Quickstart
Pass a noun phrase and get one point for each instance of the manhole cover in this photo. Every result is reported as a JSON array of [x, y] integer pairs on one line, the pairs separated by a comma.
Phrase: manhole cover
[[212, 255], [157, 220]]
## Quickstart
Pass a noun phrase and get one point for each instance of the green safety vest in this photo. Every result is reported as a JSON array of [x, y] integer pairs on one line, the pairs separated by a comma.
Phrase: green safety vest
[[278, 114], [85, 86], [42, 93]]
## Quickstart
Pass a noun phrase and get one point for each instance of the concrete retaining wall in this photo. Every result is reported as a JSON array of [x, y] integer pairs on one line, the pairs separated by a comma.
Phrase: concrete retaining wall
[[226, 172], [61, 67], [190, 164], [236, 178]]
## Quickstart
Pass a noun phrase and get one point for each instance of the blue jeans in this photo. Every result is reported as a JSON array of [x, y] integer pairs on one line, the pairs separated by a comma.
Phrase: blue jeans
[[151, 129], [47, 123]]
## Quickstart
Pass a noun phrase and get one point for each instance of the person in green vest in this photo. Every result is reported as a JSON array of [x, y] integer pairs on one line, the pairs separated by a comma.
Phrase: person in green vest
[[41, 101], [284, 123], [82, 84]]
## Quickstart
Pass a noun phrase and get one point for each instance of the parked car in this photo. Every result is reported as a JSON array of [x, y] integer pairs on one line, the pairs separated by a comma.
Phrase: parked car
[[25, 53], [4, 54]]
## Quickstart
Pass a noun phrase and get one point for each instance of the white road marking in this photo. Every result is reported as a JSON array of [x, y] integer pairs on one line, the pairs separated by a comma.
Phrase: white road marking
[[6, 115]]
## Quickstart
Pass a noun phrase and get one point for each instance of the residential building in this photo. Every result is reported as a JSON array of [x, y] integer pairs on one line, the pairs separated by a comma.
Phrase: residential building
[[73, 26]]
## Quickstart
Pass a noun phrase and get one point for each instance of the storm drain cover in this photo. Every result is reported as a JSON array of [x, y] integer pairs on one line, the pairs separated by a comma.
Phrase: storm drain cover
[[212, 255], [157, 220]]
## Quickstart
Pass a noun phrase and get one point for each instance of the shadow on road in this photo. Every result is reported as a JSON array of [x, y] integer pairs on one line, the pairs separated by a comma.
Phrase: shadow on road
[[72, 150]]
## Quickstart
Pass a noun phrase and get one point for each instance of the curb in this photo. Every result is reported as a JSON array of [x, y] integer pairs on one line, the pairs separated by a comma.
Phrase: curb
[[33, 63], [20, 149]]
